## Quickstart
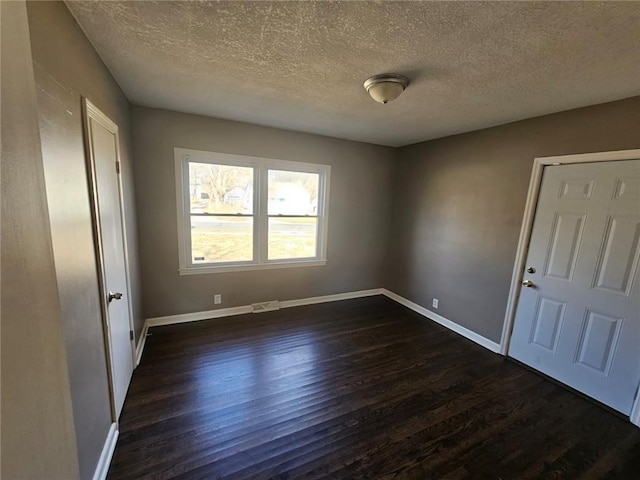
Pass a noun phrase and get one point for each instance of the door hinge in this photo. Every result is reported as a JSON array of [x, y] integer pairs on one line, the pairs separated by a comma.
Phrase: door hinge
[[117, 166], [131, 334]]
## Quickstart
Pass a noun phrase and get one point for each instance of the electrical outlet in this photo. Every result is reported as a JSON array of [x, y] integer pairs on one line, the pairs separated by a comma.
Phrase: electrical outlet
[[217, 299], [435, 303]]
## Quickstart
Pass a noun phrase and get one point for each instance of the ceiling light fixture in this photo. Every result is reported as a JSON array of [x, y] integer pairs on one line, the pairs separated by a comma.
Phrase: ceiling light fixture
[[386, 87]]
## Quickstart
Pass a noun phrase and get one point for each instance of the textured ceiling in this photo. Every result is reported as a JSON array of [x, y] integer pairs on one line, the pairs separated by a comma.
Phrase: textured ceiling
[[301, 65]]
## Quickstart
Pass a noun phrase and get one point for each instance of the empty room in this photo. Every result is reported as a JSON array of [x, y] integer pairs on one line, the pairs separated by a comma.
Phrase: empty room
[[320, 239]]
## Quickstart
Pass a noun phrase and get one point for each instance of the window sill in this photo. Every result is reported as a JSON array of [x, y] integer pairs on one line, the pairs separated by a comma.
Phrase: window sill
[[252, 267]]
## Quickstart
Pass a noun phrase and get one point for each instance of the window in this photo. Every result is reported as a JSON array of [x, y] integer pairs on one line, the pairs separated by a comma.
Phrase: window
[[245, 213]]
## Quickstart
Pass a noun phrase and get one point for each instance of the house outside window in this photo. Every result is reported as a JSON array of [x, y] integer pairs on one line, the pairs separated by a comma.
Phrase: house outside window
[[247, 213]]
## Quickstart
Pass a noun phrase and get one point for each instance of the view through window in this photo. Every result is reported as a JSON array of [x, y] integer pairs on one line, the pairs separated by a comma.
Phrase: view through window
[[293, 214], [245, 211], [221, 208]]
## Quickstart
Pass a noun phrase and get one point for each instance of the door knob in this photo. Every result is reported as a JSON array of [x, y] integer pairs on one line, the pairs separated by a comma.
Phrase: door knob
[[528, 283], [114, 296]]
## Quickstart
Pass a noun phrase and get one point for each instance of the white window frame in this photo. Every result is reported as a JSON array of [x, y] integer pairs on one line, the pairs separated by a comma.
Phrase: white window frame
[[261, 168]]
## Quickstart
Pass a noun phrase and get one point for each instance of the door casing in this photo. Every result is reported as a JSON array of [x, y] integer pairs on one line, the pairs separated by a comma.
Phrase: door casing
[[525, 236], [89, 110]]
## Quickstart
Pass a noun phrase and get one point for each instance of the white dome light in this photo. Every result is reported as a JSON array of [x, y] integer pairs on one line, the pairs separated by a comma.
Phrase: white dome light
[[386, 87]]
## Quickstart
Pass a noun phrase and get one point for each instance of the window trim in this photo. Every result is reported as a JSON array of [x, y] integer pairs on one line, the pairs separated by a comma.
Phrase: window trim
[[261, 166]]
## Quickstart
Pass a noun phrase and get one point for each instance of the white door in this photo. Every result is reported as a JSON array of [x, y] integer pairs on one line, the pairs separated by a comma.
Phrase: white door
[[578, 315], [104, 167]]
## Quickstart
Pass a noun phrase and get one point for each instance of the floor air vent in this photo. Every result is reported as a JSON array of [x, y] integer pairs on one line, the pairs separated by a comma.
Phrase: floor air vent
[[266, 306]]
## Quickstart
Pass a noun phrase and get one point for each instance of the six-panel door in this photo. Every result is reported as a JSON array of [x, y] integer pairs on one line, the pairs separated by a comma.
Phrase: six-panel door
[[579, 320]]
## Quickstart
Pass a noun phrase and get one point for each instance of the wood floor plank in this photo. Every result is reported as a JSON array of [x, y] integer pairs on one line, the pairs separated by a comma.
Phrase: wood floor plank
[[357, 389]]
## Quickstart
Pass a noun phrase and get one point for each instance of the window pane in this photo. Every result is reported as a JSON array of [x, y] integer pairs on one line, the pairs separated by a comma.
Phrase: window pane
[[220, 188], [292, 237], [293, 193], [221, 239]]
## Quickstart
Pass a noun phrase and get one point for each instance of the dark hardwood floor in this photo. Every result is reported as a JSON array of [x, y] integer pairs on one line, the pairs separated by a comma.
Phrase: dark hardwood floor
[[358, 389]]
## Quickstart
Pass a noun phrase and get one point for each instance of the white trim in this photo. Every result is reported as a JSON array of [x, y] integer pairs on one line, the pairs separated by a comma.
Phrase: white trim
[[465, 332], [181, 224], [90, 111], [251, 267], [227, 312], [527, 224], [123, 225], [141, 342], [104, 462], [323, 212], [611, 156], [197, 316], [521, 255], [634, 416], [96, 114], [100, 117], [331, 298], [260, 217]]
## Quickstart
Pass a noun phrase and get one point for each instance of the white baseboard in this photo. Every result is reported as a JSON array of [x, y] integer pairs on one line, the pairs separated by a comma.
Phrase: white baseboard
[[227, 312], [105, 458], [465, 332], [330, 298], [141, 342], [197, 316], [634, 416], [107, 453]]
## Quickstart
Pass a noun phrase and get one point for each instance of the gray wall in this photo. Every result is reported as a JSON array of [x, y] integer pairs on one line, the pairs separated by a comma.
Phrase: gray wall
[[66, 68], [448, 225], [62, 51], [37, 425], [361, 179], [459, 202]]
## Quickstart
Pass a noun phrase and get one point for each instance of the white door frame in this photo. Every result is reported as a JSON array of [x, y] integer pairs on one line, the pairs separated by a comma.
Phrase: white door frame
[[525, 237], [89, 110]]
